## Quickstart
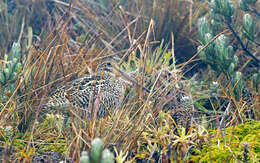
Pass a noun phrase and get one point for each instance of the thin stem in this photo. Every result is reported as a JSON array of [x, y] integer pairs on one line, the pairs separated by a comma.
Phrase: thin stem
[[255, 12], [242, 44]]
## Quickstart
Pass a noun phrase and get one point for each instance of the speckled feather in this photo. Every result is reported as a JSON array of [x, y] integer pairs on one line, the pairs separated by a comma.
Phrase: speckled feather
[[105, 86]]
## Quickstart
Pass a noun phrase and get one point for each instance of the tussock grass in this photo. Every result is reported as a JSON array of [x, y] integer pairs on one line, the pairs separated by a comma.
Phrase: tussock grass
[[174, 118]]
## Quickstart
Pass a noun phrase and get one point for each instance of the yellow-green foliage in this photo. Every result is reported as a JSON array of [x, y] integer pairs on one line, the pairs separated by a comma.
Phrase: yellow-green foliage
[[169, 139], [50, 134], [47, 137], [229, 148], [58, 145]]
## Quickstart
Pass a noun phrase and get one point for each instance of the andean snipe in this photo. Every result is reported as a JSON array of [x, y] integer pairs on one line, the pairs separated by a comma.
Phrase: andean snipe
[[105, 86]]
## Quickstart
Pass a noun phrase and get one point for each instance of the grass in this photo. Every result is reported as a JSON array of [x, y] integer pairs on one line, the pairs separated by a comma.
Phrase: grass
[[179, 119]]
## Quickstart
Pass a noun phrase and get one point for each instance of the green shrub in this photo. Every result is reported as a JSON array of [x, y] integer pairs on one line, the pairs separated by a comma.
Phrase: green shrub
[[9, 71], [219, 53], [97, 154]]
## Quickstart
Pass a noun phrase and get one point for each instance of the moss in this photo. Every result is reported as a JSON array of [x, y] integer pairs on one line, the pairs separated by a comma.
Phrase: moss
[[58, 145], [230, 147], [19, 144]]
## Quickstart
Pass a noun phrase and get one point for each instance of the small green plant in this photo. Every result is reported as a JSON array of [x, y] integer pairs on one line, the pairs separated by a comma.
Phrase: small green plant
[[220, 54], [256, 80], [223, 16], [171, 143], [9, 71], [97, 154], [238, 143]]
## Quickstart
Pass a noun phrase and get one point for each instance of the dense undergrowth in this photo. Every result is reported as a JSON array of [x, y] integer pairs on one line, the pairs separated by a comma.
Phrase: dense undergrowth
[[199, 61]]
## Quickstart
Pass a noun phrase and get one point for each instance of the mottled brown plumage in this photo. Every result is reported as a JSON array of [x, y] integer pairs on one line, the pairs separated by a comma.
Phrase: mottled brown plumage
[[104, 89]]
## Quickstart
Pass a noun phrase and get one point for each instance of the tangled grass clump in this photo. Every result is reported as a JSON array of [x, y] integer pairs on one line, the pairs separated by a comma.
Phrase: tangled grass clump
[[176, 111]]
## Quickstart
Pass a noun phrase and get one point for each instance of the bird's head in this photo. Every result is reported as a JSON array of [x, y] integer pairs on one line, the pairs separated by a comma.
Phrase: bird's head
[[110, 67]]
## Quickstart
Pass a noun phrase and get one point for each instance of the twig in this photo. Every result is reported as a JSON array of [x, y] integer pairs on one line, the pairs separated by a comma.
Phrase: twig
[[21, 32], [200, 50], [255, 12], [233, 154], [223, 116], [242, 44]]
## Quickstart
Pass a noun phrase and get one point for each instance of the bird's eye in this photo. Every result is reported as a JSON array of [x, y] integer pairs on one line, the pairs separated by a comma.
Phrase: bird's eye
[[108, 64]]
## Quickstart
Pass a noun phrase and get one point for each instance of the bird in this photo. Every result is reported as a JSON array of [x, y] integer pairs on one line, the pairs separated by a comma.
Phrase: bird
[[104, 90]]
